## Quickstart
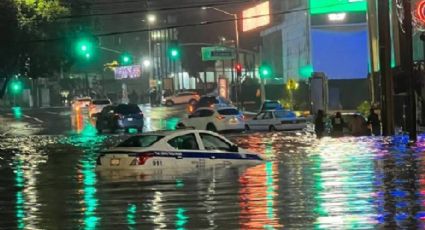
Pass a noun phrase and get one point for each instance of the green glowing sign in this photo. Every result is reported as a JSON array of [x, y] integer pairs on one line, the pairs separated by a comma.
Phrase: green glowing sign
[[337, 6]]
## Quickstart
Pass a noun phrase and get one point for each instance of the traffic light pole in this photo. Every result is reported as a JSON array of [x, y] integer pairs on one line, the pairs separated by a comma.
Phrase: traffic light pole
[[406, 51], [387, 98]]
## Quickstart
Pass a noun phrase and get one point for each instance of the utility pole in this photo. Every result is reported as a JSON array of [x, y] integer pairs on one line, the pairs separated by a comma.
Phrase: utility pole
[[406, 52], [387, 98]]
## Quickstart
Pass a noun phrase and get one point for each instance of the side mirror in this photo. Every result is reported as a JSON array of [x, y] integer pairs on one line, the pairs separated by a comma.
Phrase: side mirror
[[234, 148]]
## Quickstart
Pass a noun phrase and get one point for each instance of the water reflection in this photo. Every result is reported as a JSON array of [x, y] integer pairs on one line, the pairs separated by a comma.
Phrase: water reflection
[[345, 183]]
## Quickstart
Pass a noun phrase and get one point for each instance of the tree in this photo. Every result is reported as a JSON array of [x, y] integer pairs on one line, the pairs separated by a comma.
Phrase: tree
[[23, 22]]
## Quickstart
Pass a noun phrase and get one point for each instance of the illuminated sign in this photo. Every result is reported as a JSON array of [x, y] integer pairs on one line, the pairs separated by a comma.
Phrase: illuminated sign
[[256, 16], [337, 6], [124, 72]]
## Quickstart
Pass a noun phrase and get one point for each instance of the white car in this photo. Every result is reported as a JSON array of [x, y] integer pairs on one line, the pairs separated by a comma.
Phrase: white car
[[215, 119], [175, 150], [181, 98], [97, 105], [81, 104], [273, 120]]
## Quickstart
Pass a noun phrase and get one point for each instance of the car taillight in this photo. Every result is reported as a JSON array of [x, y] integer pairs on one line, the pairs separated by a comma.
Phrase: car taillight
[[220, 117], [142, 158]]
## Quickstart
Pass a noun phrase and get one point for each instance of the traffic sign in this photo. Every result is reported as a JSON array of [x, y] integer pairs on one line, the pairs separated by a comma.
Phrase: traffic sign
[[214, 53]]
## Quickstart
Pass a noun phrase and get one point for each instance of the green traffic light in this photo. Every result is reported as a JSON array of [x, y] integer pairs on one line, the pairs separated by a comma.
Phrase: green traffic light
[[84, 48], [126, 59], [265, 71], [174, 53], [16, 86]]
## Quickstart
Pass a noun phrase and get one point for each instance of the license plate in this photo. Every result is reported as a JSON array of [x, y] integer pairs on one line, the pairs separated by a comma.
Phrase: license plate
[[130, 119], [233, 121], [115, 162]]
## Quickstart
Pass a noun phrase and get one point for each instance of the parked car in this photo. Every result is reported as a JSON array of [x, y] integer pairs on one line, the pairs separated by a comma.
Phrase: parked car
[[270, 105], [97, 105], [208, 101], [81, 104], [215, 119], [187, 97], [175, 150], [122, 116], [273, 120]]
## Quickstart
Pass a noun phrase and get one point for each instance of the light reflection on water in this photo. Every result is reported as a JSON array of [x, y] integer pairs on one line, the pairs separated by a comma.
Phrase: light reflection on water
[[330, 183]]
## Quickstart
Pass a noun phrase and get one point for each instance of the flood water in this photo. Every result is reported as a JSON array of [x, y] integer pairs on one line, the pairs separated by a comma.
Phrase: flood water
[[49, 182]]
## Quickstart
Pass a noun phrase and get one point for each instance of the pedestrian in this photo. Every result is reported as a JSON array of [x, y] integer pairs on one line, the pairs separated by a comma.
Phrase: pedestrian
[[337, 125], [152, 96], [358, 126], [319, 124], [374, 123]]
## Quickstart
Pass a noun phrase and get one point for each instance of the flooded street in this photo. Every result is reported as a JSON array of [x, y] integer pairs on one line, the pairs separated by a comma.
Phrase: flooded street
[[50, 182]]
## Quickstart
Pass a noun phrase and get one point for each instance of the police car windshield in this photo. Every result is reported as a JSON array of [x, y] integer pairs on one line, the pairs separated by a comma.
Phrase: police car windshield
[[141, 141]]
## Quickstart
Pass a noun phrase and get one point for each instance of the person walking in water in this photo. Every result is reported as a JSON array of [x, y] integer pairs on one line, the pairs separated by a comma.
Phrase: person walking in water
[[337, 125], [374, 122], [319, 124]]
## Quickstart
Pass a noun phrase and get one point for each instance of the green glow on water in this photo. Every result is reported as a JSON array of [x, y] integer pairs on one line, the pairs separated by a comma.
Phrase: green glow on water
[[90, 142], [179, 183], [131, 215], [181, 219], [17, 112], [20, 198]]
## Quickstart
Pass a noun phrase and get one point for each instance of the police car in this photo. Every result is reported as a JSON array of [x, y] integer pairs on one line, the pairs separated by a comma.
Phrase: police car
[[176, 149]]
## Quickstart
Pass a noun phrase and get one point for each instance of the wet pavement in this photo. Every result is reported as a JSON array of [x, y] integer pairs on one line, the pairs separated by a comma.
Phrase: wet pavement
[[49, 182]]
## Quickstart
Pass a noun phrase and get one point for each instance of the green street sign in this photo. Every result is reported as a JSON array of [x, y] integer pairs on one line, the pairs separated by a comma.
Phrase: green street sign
[[215, 53]]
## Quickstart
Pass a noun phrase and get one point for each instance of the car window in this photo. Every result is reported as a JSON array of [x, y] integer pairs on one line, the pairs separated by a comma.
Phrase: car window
[[101, 102], [285, 114], [268, 115], [185, 142], [196, 114], [127, 109], [141, 141], [259, 116], [206, 113], [108, 109], [212, 142], [228, 112], [272, 106]]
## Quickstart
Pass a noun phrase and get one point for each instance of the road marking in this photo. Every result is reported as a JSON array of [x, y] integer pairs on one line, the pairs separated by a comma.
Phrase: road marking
[[34, 118]]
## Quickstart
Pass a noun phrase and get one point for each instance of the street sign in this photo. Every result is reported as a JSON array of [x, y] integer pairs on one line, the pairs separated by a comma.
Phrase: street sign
[[214, 53]]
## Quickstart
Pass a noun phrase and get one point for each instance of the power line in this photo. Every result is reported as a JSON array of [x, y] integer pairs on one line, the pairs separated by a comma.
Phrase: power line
[[204, 23], [209, 4]]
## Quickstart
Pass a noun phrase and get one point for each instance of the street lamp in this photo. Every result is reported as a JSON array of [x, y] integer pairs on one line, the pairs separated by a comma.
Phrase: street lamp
[[235, 16], [151, 19], [147, 63]]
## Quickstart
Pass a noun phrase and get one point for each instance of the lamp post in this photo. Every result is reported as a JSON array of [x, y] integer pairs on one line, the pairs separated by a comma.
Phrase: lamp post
[[235, 16], [151, 18]]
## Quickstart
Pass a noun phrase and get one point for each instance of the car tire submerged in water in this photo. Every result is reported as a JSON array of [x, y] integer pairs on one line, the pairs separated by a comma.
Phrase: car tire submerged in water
[[211, 127]]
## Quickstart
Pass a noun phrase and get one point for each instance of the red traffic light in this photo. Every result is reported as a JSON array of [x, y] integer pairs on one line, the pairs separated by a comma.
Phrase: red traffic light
[[238, 68]]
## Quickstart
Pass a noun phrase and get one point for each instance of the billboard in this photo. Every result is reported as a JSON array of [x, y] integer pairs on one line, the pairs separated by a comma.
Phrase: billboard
[[252, 17], [337, 6], [124, 72], [341, 54]]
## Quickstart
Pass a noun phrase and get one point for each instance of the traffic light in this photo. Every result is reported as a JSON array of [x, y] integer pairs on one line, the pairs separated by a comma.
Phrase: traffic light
[[126, 59], [174, 50], [16, 86], [238, 68], [84, 48], [265, 71]]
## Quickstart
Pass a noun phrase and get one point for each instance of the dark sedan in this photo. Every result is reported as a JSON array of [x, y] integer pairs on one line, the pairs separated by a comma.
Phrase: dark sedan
[[122, 116]]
